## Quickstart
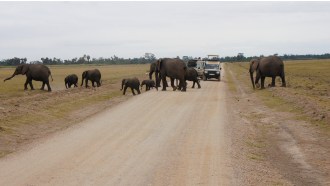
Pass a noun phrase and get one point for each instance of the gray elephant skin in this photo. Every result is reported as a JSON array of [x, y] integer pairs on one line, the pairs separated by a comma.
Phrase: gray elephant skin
[[149, 84], [71, 79], [152, 70], [192, 75], [271, 66], [91, 75], [37, 72], [132, 83], [172, 68]]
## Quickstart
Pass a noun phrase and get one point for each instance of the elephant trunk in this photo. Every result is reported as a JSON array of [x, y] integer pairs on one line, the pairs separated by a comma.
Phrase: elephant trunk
[[251, 76], [9, 77]]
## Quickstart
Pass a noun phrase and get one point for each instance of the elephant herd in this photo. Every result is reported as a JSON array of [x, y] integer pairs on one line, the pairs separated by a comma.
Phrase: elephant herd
[[39, 72], [173, 68]]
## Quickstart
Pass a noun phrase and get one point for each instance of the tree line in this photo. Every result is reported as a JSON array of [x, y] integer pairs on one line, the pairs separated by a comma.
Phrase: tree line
[[241, 58], [147, 58]]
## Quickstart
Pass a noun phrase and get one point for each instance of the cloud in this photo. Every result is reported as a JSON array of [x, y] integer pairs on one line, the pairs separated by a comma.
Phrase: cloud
[[167, 29]]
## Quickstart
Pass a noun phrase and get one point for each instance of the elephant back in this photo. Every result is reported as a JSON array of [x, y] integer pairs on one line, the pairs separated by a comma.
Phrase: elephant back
[[38, 72]]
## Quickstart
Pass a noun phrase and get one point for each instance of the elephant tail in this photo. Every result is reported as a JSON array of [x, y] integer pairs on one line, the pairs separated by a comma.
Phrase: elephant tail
[[50, 74]]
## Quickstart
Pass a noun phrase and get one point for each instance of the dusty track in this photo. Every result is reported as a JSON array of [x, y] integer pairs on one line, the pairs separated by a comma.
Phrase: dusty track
[[208, 136], [157, 138]]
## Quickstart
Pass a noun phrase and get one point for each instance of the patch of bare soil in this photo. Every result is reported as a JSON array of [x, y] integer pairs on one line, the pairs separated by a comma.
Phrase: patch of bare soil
[[274, 148]]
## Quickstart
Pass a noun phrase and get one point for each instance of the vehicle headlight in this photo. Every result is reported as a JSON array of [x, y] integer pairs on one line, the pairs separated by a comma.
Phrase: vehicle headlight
[[218, 72], [205, 71]]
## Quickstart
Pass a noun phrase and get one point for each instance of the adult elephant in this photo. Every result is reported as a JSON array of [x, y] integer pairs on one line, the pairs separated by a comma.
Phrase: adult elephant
[[192, 75], [271, 66], [132, 83], [93, 76], [71, 79], [37, 72], [173, 68]]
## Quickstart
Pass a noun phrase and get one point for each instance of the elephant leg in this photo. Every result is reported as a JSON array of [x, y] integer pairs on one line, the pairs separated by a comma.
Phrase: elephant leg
[[28, 81], [25, 84], [138, 90], [193, 84], [48, 86], [75, 85], [133, 91], [93, 83], [164, 83], [273, 81], [183, 85], [86, 82], [42, 86], [31, 85], [172, 84], [199, 86], [263, 82], [124, 90], [98, 83], [283, 80]]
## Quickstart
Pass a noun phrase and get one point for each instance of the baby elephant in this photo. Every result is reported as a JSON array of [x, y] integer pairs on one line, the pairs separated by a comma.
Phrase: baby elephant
[[133, 83], [71, 79], [149, 84]]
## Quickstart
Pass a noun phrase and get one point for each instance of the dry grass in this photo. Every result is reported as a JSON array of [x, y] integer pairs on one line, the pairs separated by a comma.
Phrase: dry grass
[[307, 92], [25, 115]]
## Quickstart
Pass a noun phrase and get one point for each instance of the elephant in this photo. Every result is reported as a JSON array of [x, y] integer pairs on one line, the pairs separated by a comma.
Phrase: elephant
[[271, 66], [37, 72], [173, 68], [192, 75], [93, 76], [71, 80], [133, 83], [149, 84], [152, 70]]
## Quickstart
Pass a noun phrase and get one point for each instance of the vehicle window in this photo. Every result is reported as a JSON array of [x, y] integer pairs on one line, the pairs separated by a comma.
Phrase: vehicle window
[[211, 66]]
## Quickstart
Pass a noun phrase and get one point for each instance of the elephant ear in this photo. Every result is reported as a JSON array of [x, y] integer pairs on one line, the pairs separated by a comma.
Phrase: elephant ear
[[84, 74], [158, 64], [25, 69], [254, 65]]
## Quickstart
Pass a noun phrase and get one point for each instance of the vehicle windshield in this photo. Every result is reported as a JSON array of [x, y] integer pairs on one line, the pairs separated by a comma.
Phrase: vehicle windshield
[[211, 66]]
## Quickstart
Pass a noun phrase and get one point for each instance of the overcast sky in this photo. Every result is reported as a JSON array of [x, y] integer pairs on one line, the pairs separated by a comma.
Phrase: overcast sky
[[167, 29]]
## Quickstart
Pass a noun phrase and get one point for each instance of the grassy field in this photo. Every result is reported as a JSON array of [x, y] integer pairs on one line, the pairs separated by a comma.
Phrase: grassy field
[[110, 75], [25, 115], [307, 91]]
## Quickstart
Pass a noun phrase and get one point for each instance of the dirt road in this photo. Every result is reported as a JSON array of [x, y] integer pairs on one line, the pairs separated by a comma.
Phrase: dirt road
[[156, 138]]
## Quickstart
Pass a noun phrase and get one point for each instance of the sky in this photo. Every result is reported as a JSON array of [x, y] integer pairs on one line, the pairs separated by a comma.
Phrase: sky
[[167, 29]]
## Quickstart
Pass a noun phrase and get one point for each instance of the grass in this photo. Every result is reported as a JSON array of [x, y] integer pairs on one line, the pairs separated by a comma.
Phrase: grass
[[28, 114], [307, 88], [110, 74]]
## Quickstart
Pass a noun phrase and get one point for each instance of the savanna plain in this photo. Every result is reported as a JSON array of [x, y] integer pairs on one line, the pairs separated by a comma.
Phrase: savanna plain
[[228, 134]]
